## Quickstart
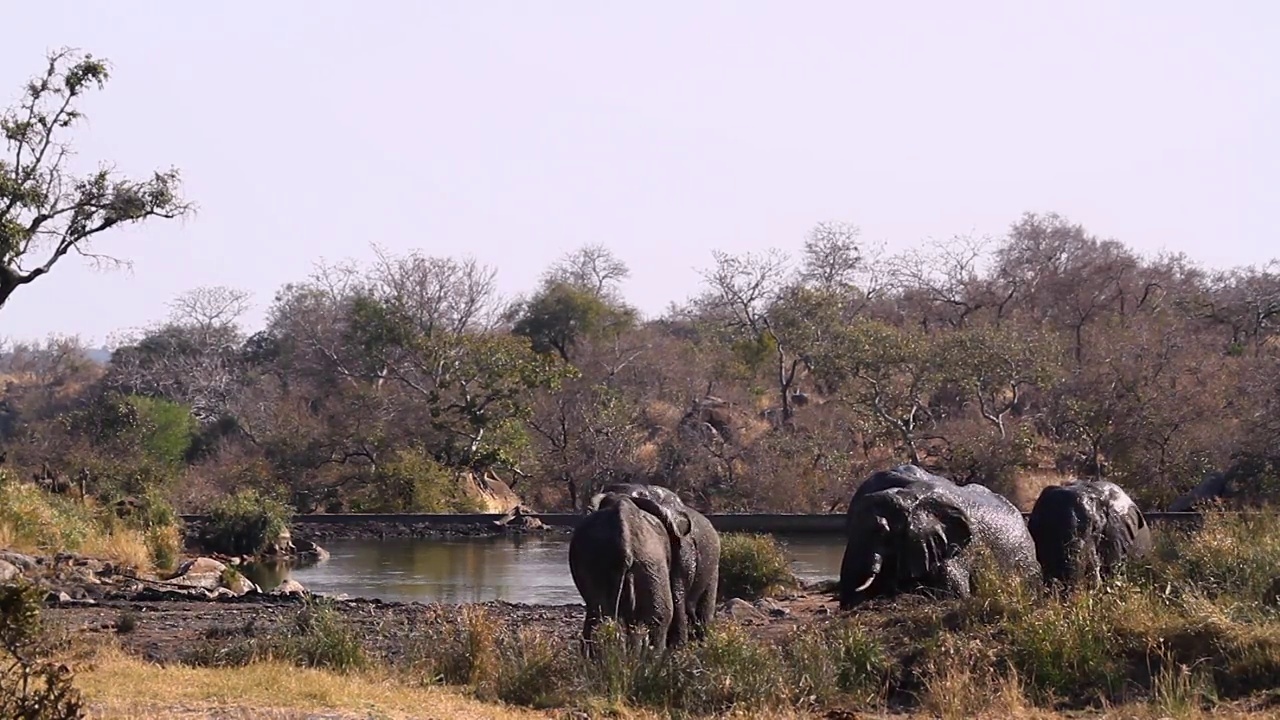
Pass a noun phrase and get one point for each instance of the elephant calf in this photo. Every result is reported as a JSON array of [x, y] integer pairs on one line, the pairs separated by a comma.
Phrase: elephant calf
[[1084, 530], [910, 530], [620, 560]]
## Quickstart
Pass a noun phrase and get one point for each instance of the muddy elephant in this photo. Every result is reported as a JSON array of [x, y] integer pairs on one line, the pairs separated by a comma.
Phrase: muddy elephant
[[912, 531], [695, 549], [1085, 530], [620, 560]]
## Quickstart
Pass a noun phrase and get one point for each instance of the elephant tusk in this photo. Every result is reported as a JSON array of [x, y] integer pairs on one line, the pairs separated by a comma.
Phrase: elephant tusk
[[876, 563], [865, 585]]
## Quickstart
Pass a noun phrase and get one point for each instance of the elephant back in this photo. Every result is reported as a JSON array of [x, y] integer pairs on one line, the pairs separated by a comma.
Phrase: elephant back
[[998, 524]]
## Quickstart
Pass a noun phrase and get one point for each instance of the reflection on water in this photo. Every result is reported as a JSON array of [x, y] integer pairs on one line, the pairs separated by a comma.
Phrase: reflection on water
[[524, 569]]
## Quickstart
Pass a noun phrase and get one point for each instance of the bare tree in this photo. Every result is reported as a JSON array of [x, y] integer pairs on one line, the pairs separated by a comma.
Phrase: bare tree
[[440, 294], [832, 258], [208, 309]]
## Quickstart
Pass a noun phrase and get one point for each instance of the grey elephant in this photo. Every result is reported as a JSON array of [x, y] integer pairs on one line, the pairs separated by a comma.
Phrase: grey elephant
[[620, 560], [1085, 530], [912, 531], [695, 545]]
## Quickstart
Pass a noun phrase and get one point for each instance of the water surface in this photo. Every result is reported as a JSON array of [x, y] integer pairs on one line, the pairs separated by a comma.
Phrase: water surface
[[516, 568]]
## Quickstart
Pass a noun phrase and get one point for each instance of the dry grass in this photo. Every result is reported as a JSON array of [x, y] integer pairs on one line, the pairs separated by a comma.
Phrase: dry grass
[[1027, 486], [664, 415], [118, 686], [34, 521]]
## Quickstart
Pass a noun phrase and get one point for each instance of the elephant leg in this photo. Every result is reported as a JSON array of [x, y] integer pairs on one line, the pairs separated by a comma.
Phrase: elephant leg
[[589, 626], [705, 608], [679, 620]]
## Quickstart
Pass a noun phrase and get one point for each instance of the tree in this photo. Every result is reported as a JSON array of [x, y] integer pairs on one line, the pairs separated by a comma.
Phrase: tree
[[591, 268], [561, 316], [46, 211], [890, 373], [995, 365]]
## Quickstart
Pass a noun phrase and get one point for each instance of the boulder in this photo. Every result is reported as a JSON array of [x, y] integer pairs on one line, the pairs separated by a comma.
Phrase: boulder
[[18, 560], [282, 545], [200, 572], [310, 552], [289, 587], [209, 574], [740, 609], [8, 571]]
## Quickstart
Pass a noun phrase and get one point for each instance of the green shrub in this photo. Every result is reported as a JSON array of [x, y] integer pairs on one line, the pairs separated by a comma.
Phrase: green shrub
[[31, 687], [412, 481], [1235, 556], [826, 662], [245, 523], [165, 429], [752, 566]]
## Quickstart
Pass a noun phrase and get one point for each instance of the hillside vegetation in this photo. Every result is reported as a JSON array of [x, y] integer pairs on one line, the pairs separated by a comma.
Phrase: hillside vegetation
[[410, 385]]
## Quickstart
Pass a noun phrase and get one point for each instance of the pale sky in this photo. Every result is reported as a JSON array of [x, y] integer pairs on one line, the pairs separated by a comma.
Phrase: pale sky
[[517, 131]]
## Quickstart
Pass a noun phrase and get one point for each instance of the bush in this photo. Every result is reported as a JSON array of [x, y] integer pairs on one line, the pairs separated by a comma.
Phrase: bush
[[245, 523], [752, 566], [31, 687]]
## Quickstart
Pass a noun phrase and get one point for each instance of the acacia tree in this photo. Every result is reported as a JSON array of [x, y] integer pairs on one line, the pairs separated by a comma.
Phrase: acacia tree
[[46, 210]]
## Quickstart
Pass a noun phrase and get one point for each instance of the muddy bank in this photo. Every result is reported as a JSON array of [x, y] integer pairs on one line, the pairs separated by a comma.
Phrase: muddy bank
[[320, 531], [315, 529]]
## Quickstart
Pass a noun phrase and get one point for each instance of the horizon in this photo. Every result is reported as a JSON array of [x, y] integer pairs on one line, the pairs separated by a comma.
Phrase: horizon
[[1145, 123]]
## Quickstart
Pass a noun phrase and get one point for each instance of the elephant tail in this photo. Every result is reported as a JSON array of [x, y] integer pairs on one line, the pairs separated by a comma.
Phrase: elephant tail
[[625, 599]]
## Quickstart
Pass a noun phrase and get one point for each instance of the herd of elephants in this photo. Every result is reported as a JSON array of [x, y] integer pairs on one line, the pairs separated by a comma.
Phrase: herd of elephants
[[645, 559]]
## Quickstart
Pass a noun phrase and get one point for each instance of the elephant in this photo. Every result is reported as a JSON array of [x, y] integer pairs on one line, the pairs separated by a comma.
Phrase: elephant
[[1085, 530], [695, 546], [620, 561], [910, 530]]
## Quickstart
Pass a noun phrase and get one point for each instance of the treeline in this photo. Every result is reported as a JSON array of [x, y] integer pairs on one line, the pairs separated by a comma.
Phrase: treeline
[[409, 384]]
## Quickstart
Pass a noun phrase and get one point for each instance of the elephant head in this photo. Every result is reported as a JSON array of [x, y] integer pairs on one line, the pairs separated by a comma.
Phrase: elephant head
[[900, 539]]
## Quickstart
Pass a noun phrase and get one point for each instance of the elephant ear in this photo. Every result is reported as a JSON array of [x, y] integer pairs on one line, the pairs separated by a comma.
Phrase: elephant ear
[[948, 534], [675, 521]]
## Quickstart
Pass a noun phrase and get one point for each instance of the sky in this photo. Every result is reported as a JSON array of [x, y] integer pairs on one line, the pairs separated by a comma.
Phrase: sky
[[515, 132]]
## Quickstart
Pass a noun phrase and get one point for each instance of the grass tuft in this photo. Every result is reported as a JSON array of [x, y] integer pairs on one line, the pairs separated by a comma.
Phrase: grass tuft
[[752, 567]]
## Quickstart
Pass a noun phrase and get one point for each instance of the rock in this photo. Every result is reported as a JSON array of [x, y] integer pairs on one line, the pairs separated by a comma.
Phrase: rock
[[310, 551], [282, 546], [740, 609], [20, 561], [209, 574], [201, 572], [773, 608], [239, 584], [8, 571], [289, 587]]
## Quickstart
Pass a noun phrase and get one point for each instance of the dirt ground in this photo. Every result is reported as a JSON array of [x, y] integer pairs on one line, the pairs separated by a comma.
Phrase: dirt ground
[[164, 631]]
